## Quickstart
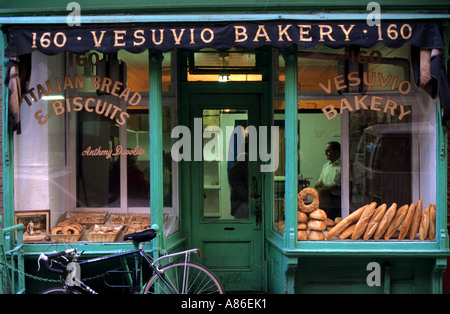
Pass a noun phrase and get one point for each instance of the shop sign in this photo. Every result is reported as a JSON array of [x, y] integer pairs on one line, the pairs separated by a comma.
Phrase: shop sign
[[166, 37]]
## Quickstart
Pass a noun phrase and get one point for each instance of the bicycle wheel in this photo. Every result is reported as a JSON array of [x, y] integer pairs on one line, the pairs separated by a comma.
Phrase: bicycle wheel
[[60, 290], [184, 278]]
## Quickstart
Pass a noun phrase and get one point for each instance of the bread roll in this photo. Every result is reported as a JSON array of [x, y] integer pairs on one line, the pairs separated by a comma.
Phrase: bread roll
[[385, 221], [374, 221], [406, 225], [347, 232], [318, 225], [302, 226], [316, 235], [318, 214], [302, 235], [362, 223], [344, 223], [396, 222], [329, 222], [424, 223], [432, 228], [301, 217], [416, 221]]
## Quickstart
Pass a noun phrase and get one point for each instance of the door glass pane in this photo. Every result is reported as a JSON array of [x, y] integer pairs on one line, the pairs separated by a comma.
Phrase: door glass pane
[[225, 164]]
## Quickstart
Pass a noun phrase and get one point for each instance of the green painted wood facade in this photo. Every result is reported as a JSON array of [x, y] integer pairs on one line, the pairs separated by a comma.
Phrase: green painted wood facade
[[290, 266]]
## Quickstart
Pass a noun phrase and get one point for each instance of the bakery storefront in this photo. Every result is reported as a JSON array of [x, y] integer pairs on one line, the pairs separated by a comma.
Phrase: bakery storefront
[[299, 155]]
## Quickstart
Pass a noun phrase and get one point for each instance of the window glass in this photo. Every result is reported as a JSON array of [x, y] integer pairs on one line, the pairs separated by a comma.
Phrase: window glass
[[366, 133], [83, 151]]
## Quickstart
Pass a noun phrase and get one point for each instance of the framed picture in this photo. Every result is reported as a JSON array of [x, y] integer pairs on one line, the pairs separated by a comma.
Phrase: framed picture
[[36, 224]]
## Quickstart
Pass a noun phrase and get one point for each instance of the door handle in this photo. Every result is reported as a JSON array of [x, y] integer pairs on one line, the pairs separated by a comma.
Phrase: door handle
[[254, 194]]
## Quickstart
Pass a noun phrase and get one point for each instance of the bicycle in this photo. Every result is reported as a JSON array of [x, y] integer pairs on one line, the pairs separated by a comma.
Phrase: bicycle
[[177, 277]]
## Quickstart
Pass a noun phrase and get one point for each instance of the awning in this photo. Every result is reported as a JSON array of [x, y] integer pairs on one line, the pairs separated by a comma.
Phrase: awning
[[163, 37], [138, 37]]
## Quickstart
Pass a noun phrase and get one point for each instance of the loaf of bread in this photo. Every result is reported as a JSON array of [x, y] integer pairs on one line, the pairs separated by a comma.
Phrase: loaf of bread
[[318, 225], [362, 223], [301, 217], [345, 223], [396, 222], [385, 221], [302, 226], [374, 221], [347, 232], [318, 214], [302, 235], [316, 235], [406, 225], [432, 228], [425, 223], [416, 220]]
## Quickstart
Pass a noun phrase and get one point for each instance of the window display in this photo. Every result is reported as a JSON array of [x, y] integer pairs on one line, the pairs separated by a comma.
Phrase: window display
[[367, 146], [83, 149]]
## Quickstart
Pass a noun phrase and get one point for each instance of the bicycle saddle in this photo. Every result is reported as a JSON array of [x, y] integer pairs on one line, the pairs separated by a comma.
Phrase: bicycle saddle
[[141, 236]]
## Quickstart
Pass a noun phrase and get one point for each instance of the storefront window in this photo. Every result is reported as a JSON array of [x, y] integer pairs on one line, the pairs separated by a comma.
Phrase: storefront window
[[365, 132], [83, 151]]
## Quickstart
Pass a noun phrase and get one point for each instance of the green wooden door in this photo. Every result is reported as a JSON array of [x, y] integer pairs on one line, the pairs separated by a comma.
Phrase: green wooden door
[[226, 203]]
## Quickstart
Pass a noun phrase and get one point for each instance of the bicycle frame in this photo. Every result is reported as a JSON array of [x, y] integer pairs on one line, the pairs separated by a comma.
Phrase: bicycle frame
[[136, 281]]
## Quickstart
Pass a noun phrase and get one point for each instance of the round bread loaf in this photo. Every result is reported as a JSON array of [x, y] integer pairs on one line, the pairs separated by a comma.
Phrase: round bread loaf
[[316, 235], [318, 225], [318, 214]]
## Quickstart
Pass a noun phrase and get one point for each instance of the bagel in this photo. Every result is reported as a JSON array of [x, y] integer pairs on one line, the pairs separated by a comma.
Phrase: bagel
[[57, 230], [301, 203], [70, 229]]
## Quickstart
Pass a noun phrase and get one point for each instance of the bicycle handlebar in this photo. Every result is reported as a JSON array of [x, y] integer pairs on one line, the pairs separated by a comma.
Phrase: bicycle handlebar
[[47, 258]]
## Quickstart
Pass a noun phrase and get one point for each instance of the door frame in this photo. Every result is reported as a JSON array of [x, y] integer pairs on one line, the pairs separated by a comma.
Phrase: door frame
[[265, 118]]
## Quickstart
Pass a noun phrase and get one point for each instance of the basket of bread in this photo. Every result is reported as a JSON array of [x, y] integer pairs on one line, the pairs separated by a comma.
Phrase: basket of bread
[[102, 233], [66, 231]]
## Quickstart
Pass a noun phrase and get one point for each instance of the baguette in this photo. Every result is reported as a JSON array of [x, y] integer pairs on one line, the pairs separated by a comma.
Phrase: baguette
[[432, 228], [362, 223], [347, 232], [375, 221], [416, 220], [406, 225], [385, 221], [344, 223], [396, 222], [424, 223]]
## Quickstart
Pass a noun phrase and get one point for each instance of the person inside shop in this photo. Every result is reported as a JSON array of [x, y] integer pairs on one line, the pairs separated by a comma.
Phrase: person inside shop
[[329, 184], [238, 180]]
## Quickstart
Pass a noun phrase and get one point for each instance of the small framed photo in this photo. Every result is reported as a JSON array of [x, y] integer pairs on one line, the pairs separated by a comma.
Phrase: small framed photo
[[36, 224]]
